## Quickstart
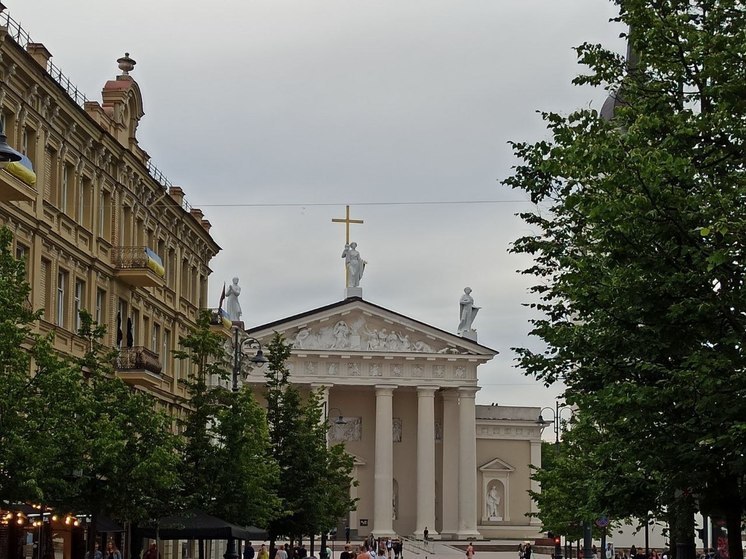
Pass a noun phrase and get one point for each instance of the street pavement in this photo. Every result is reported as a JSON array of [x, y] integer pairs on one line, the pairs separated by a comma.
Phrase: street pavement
[[414, 549]]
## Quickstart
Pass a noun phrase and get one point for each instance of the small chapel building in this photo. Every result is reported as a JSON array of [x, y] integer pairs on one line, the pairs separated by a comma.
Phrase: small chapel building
[[400, 395]]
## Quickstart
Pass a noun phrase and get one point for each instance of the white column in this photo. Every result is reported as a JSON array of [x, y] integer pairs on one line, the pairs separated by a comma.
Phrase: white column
[[425, 461], [353, 495], [467, 464], [383, 485], [449, 485], [535, 485]]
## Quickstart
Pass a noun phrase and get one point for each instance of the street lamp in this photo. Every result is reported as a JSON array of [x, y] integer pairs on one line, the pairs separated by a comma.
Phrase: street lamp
[[239, 353], [557, 425], [339, 421], [242, 349], [556, 419]]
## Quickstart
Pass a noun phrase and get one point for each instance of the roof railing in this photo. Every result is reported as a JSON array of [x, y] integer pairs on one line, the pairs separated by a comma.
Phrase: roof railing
[[23, 39]]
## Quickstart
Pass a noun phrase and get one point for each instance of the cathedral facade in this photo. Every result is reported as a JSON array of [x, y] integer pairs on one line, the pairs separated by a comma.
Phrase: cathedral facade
[[401, 396]]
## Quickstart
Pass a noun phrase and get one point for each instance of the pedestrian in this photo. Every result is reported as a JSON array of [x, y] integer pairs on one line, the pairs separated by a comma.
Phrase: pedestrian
[[96, 553], [469, 551], [248, 551], [263, 552], [425, 533], [112, 552], [151, 553], [527, 551]]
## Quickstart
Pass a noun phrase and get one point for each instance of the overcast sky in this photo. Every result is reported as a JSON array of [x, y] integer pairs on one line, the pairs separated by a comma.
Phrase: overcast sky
[[274, 114]]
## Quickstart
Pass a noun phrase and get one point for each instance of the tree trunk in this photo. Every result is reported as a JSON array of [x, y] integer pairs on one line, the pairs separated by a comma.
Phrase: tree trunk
[[733, 523], [681, 521]]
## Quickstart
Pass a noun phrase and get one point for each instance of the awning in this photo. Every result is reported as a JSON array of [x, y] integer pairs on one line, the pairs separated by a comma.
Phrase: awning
[[198, 525]]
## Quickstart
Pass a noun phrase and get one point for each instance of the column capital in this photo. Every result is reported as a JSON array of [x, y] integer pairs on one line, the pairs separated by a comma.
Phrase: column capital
[[385, 389], [468, 391], [450, 394], [428, 390], [322, 386]]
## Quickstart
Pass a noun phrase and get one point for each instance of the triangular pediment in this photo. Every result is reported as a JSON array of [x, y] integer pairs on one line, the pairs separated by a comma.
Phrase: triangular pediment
[[357, 326], [496, 465]]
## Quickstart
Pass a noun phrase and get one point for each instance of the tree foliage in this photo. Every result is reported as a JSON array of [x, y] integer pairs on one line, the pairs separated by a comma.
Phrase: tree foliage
[[229, 468], [314, 478], [73, 435], [640, 260], [130, 467], [40, 395]]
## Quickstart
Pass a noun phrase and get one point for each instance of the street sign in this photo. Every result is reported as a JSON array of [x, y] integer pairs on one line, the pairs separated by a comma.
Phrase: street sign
[[602, 522]]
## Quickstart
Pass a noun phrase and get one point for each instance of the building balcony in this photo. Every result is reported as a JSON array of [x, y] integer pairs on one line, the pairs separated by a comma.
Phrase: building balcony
[[138, 266], [139, 366], [13, 188], [219, 320]]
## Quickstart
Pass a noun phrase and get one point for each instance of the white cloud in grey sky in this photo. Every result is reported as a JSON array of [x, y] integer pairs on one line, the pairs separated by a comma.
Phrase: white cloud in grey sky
[[339, 102]]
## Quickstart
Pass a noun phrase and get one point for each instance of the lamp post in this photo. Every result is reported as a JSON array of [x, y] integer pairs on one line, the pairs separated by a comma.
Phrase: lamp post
[[239, 354], [241, 349], [557, 426], [556, 419], [338, 421]]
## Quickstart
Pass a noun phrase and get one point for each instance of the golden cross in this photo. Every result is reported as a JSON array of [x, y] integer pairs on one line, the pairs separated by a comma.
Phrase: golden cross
[[347, 222]]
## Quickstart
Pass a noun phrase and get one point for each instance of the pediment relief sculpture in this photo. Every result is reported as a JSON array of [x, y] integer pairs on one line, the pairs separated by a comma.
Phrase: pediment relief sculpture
[[357, 334]]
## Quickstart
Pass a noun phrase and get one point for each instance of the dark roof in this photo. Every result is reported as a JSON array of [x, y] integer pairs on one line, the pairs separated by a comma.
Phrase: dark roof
[[271, 325], [198, 525]]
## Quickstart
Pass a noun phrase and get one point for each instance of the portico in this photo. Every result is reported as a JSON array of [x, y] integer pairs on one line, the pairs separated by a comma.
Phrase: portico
[[406, 391]]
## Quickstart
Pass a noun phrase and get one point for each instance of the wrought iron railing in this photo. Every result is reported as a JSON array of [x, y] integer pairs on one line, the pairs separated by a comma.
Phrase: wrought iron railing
[[138, 358], [219, 317], [22, 37], [126, 258]]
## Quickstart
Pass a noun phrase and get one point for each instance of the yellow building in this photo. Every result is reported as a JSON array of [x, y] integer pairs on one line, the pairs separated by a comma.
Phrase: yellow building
[[100, 227]]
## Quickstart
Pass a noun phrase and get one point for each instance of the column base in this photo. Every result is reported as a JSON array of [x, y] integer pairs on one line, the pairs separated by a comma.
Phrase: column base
[[469, 535]]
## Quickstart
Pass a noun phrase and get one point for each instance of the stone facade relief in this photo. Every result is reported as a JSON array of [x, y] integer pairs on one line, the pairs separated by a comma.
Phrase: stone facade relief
[[358, 335], [396, 430], [351, 430]]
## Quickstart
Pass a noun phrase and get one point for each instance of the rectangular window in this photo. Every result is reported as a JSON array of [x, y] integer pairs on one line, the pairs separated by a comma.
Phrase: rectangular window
[[24, 142], [134, 329], [155, 338], [45, 285], [100, 306], [122, 320], [101, 213], [62, 202], [21, 252], [22, 255], [79, 301], [166, 351], [62, 278], [50, 175]]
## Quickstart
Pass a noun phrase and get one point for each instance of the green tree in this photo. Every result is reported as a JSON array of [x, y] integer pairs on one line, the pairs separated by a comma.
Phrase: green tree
[[229, 468], [314, 478], [639, 252], [40, 395], [130, 467]]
